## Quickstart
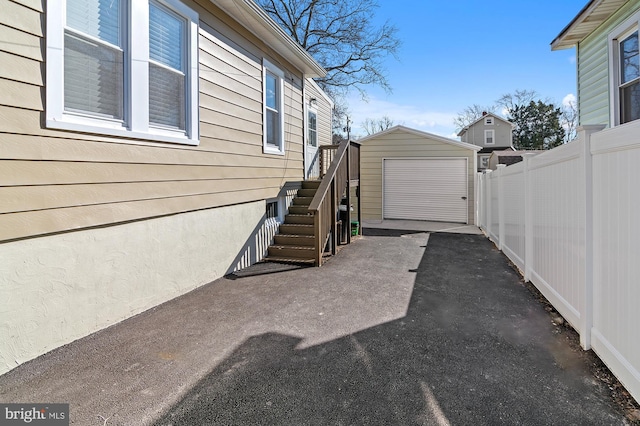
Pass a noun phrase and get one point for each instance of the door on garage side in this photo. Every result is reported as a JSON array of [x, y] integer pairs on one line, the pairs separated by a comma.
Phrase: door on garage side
[[425, 189]]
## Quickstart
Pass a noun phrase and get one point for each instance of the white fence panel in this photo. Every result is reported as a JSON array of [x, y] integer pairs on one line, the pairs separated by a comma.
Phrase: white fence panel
[[570, 217], [558, 228], [616, 249], [494, 212], [481, 205], [513, 196]]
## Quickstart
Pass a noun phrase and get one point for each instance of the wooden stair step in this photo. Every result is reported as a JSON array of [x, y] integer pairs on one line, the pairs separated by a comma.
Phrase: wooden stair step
[[288, 260], [292, 252], [293, 209], [300, 219], [302, 201], [294, 240], [307, 192], [311, 184], [296, 229]]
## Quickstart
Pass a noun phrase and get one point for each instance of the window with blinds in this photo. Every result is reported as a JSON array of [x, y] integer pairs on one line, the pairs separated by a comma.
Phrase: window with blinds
[[166, 68], [94, 58], [112, 71]]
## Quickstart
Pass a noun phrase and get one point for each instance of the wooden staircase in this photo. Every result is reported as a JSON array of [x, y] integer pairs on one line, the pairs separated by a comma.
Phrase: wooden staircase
[[295, 241]]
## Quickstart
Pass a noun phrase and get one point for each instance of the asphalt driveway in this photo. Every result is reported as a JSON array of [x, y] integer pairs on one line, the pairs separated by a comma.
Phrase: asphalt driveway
[[398, 328]]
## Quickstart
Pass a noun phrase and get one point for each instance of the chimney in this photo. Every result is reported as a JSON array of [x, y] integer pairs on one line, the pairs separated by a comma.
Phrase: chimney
[[484, 113]]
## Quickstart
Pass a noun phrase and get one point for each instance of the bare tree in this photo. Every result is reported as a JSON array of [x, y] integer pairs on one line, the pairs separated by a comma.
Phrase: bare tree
[[371, 125], [471, 114], [569, 119], [509, 101], [341, 36]]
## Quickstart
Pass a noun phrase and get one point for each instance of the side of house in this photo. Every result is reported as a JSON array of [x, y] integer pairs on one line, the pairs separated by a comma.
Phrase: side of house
[[606, 39], [490, 132], [135, 172]]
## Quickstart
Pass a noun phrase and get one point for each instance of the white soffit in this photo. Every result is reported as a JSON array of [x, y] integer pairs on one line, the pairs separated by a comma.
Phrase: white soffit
[[594, 14]]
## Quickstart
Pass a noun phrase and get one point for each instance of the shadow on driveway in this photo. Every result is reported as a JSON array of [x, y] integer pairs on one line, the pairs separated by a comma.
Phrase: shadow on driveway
[[474, 347]]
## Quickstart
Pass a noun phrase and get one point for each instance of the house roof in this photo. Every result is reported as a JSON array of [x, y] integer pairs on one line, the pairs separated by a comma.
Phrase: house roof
[[421, 134], [256, 20], [513, 153], [465, 128], [594, 14]]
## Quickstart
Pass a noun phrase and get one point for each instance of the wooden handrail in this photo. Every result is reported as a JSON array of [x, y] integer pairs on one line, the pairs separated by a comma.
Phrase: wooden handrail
[[324, 205]]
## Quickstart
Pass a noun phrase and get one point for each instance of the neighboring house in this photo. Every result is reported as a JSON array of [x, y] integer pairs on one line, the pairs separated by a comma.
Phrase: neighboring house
[[508, 157], [605, 34], [490, 132], [134, 172], [410, 174]]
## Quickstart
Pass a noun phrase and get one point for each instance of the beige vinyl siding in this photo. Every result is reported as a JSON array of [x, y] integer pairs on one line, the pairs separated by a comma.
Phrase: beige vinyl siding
[[401, 144], [593, 70], [53, 181], [325, 111]]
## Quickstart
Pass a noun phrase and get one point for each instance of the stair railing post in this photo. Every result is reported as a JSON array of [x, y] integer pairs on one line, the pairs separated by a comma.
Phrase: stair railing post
[[316, 242], [334, 211], [347, 225]]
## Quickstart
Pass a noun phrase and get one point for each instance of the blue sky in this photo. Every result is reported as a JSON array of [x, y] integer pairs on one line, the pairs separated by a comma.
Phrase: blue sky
[[456, 54]]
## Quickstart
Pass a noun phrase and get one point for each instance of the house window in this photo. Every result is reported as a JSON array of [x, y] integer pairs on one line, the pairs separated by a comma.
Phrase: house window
[[625, 72], [489, 137], [488, 121], [484, 161], [123, 68], [273, 211], [273, 82], [312, 127]]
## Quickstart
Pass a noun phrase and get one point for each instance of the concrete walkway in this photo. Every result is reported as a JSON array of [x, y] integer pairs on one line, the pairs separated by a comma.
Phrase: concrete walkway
[[398, 328]]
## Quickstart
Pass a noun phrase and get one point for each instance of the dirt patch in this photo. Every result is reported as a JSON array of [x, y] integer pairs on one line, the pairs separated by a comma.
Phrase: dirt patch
[[619, 395]]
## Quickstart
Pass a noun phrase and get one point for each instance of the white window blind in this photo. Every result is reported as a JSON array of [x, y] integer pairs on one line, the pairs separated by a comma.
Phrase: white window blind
[[94, 58], [273, 114], [167, 94]]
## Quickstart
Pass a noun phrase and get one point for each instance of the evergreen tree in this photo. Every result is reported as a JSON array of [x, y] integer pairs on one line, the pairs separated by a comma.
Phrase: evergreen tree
[[537, 125]]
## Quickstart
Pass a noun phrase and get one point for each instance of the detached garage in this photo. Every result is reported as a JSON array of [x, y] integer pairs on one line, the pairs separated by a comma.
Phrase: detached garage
[[409, 174]]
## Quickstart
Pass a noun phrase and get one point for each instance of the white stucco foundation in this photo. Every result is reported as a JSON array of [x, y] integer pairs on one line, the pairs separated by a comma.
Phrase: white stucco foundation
[[59, 288]]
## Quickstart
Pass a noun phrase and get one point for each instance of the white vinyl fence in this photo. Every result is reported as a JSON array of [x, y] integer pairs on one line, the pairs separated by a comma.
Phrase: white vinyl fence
[[567, 219]]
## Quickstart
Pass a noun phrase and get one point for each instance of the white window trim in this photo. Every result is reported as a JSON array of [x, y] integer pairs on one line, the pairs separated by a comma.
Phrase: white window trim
[[310, 109], [268, 66], [488, 121], [491, 132], [625, 29], [280, 218], [136, 123]]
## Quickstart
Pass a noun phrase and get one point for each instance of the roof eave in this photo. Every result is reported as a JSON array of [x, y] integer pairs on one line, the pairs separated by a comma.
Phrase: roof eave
[[586, 21], [422, 134], [256, 20]]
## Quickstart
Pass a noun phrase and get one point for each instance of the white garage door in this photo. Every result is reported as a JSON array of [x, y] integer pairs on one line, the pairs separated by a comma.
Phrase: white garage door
[[425, 189]]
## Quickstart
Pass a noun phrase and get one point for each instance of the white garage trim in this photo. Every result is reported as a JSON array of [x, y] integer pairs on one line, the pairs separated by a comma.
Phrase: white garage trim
[[428, 188]]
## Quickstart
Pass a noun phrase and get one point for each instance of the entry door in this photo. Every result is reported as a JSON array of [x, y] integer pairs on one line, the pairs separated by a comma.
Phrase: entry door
[[426, 189], [312, 167]]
